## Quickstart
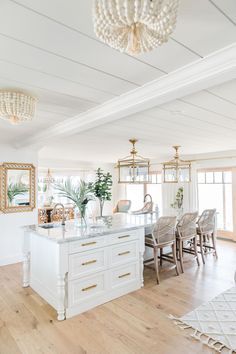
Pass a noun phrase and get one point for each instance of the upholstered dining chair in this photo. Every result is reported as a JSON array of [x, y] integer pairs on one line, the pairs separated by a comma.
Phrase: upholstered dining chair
[[57, 215], [123, 206], [206, 230], [42, 216], [186, 233], [163, 235]]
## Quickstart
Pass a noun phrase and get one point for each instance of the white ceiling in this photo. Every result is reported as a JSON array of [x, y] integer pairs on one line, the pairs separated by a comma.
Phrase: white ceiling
[[48, 48], [202, 123]]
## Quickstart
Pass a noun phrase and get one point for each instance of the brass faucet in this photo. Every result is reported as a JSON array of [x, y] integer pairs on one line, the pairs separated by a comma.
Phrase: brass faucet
[[63, 222]]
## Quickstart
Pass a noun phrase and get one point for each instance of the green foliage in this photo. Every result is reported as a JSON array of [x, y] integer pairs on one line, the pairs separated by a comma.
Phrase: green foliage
[[178, 203], [15, 189], [102, 187], [43, 189], [80, 194]]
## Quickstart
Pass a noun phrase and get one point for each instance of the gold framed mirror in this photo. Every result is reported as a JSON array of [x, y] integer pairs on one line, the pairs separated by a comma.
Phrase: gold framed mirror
[[17, 187]]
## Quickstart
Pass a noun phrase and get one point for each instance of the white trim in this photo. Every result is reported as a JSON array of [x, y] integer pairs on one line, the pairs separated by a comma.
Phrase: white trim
[[214, 69], [11, 260]]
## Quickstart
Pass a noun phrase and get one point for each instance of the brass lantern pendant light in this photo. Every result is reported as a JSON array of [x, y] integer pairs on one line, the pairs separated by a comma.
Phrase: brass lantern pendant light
[[177, 170], [133, 168]]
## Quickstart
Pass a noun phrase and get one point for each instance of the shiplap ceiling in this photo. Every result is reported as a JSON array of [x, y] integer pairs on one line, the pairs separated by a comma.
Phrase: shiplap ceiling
[[48, 49], [202, 123]]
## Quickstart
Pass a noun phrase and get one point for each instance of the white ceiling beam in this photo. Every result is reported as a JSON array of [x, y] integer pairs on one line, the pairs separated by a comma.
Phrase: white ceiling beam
[[212, 70]]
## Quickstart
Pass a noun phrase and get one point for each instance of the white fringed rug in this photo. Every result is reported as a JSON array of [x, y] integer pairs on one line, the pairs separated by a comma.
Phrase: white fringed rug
[[213, 323]]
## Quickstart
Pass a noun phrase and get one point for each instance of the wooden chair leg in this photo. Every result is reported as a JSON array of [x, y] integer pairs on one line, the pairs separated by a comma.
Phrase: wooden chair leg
[[201, 248], [156, 264], [214, 243], [161, 253], [195, 250], [181, 255], [175, 258]]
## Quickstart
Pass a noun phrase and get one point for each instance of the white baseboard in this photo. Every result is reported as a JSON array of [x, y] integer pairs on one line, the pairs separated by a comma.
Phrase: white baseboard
[[11, 259]]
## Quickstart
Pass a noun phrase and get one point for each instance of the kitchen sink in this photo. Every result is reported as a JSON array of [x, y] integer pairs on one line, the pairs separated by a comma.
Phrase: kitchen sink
[[49, 226]]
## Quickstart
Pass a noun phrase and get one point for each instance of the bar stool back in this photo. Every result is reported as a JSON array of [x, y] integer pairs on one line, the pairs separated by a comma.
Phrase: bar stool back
[[206, 230], [186, 231], [163, 235]]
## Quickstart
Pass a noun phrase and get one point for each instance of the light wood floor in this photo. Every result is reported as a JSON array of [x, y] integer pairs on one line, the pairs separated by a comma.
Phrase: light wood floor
[[135, 323]]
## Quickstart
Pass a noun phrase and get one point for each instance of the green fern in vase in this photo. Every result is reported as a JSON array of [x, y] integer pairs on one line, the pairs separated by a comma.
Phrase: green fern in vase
[[80, 195]]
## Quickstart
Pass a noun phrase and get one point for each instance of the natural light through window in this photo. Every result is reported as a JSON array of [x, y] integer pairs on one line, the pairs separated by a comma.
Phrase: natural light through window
[[215, 191], [136, 193]]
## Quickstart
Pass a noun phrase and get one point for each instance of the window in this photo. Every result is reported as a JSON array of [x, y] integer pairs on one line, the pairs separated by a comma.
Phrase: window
[[215, 191], [155, 190], [136, 192]]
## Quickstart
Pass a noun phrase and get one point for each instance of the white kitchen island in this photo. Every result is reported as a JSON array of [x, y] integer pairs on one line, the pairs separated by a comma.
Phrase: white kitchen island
[[75, 269]]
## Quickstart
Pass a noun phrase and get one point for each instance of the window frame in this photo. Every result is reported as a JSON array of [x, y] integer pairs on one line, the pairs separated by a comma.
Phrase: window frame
[[145, 185], [222, 232]]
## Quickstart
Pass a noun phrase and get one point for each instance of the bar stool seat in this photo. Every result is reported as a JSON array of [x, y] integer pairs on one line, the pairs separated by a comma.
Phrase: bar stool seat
[[206, 231], [186, 233], [163, 235]]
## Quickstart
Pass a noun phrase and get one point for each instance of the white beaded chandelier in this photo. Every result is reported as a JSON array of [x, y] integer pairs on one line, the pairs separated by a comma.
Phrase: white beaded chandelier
[[134, 26], [16, 107]]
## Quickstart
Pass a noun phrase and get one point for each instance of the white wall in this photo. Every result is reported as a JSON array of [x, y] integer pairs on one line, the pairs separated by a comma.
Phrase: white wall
[[11, 235]]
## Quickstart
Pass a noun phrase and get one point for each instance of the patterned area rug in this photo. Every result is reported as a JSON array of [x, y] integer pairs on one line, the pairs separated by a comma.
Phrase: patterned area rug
[[214, 323]]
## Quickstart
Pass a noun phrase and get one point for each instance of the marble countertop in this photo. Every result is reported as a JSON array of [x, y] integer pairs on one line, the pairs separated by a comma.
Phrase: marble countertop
[[72, 231]]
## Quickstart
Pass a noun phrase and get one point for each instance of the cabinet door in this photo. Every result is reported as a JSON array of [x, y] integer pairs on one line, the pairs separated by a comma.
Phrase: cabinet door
[[122, 276], [84, 263], [123, 253], [87, 244], [126, 236], [87, 289]]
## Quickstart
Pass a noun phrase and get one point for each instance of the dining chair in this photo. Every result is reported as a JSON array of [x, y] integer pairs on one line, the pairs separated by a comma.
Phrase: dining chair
[[186, 233], [206, 230], [57, 215], [162, 236], [69, 211], [42, 216], [123, 206]]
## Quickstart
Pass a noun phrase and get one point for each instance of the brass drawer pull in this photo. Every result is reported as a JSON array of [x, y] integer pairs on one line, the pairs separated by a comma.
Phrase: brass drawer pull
[[89, 262], [89, 243], [124, 275], [90, 287], [123, 253], [125, 236]]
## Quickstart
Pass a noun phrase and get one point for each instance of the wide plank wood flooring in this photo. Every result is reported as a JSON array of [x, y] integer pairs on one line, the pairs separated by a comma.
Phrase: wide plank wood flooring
[[133, 324]]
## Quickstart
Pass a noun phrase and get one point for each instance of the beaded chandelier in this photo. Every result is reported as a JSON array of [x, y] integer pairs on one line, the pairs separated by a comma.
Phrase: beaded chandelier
[[134, 26], [16, 107]]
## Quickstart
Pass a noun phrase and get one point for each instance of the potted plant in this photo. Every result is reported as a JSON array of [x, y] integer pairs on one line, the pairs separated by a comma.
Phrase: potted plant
[[178, 202], [102, 187], [81, 195]]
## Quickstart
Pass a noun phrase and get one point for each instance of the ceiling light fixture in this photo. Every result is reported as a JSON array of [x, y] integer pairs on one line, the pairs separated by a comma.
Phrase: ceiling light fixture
[[134, 26], [133, 168], [177, 170], [16, 107]]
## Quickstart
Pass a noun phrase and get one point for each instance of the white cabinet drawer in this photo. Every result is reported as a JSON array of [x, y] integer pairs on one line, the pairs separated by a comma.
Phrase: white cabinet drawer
[[124, 275], [86, 288], [87, 262], [124, 236], [87, 244], [125, 252]]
